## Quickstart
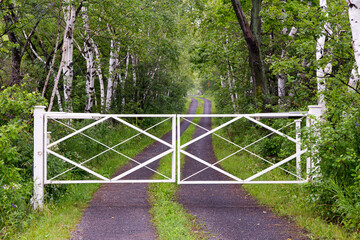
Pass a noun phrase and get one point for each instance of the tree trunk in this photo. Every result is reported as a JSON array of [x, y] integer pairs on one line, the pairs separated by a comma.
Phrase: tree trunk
[[10, 19], [320, 48], [90, 64], [354, 17], [281, 76], [252, 37], [99, 74], [113, 61], [68, 50]]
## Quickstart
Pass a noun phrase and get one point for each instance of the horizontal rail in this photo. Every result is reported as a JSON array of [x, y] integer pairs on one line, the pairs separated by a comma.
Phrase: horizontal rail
[[260, 115], [61, 115], [242, 182], [100, 181]]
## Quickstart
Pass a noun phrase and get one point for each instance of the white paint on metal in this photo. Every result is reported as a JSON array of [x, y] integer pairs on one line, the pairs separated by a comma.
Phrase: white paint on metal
[[241, 149], [38, 198]]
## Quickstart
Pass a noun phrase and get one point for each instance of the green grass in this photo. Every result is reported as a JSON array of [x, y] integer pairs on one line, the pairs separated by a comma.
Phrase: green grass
[[59, 218], [285, 200], [168, 216]]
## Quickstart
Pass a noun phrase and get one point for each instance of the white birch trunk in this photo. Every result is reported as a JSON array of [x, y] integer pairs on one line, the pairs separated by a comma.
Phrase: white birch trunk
[[68, 49], [99, 74], [354, 18], [281, 76], [320, 46], [231, 89], [354, 79], [113, 61], [59, 100], [90, 64]]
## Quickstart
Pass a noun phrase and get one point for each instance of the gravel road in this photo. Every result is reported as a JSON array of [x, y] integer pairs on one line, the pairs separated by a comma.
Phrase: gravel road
[[120, 211], [228, 211]]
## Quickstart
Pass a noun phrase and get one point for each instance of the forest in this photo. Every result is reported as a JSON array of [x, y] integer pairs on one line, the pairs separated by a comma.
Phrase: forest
[[145, 56]]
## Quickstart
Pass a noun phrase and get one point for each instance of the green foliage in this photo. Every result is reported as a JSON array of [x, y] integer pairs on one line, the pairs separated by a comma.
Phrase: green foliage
[[16, 154], [335, 193]]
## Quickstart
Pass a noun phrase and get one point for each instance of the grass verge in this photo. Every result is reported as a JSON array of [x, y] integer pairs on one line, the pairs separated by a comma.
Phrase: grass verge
[[168, 216]]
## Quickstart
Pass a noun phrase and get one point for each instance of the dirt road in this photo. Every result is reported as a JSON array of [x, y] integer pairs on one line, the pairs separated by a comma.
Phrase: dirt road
[[227, 211], [121, 211]]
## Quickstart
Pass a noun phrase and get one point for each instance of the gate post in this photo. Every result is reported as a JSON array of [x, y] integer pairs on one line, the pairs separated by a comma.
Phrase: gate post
[[298, 147], [315, 110], [38, 198]]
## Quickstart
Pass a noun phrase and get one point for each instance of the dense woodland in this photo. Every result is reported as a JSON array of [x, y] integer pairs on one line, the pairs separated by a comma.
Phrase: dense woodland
[[144, 56]]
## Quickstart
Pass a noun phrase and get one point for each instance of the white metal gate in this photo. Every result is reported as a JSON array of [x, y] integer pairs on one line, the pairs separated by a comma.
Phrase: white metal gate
[[254, 118], [42, 148]]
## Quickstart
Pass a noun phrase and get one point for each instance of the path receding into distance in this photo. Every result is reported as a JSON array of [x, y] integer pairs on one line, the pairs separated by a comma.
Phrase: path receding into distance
[[121, 211], [227, 211]]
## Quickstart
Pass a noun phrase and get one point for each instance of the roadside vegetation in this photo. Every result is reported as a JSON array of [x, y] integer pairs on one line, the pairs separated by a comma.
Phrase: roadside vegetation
[[168, 216]]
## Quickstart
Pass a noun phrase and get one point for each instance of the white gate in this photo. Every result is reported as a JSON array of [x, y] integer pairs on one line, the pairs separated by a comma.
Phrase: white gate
[[42, 149], [299, 175]]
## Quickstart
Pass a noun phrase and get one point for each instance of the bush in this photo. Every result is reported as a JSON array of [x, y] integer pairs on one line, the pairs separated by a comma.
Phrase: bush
[[16, 154], [336, 192]]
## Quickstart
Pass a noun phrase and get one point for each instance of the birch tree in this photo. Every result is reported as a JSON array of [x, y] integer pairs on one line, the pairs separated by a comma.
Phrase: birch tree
[[90, 63], [354, 18], [67, 54], [320, 48]]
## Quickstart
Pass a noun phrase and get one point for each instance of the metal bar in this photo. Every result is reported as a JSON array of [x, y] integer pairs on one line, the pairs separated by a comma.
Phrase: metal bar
[[61, 115], [108, 149], [243, 148], [242, 182], [77, 132], [298, 147], [271, 129], [76, 164], [173, 141], [210, 132], [103, 181], [211, 166], [38, 197], [142, 164], [178, 150], [273, 166], [142, 131], [44, 147], [261, 115]]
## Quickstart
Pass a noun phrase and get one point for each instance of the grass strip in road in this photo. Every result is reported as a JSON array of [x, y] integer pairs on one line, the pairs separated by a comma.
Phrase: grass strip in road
[[59, 218], [169, 217]]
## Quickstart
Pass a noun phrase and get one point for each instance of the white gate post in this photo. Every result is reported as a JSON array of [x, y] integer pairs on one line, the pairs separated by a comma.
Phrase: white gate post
[[298, 148], [38, 198], [315, 110]]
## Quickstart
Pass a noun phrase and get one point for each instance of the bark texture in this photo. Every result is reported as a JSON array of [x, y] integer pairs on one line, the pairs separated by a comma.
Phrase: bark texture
[[10, 19], [67, 54], [252, 36]]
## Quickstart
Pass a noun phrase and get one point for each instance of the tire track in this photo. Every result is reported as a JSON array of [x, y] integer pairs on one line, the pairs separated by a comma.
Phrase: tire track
[[227, 211], [120, 211]]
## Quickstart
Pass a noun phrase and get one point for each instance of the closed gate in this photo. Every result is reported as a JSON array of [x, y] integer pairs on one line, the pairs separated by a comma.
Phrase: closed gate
[[44, 147]]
